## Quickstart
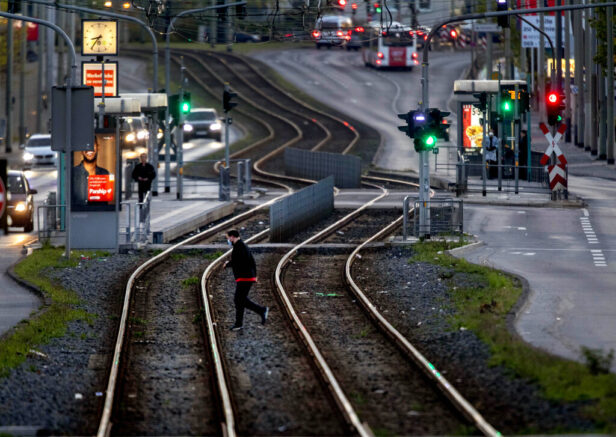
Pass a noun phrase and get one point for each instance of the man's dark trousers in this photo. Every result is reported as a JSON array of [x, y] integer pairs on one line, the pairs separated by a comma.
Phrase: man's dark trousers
[[241, 302]]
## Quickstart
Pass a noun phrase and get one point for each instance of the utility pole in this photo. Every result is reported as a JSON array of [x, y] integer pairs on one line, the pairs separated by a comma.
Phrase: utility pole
[[588, 141], [610, 85], [541, 68], [22, 83], [9, 87], [489, 46], [40, 43], [179, 152], [578, 33], [568, 73]]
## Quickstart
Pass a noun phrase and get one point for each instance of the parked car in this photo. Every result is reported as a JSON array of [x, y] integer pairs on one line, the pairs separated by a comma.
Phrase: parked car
[[246, 37], [37, 151], [20, 201], [202, 122]]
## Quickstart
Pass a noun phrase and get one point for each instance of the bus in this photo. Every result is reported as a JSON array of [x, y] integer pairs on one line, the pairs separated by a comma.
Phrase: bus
[[395, 46]]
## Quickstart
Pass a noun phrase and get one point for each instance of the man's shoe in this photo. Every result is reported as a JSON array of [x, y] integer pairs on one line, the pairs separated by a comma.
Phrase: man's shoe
[[264, 316], [236, 328]]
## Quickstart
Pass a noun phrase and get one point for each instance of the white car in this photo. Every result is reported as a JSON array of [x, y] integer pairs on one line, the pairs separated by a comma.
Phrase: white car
[[37, 151]]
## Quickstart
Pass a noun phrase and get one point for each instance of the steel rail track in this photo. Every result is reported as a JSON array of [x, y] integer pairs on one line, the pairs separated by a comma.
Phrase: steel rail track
[[105, 423], [459, 402]]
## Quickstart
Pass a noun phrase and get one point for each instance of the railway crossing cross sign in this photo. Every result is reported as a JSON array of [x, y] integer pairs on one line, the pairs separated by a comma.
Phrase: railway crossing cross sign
[[553, 144], [558, 177]]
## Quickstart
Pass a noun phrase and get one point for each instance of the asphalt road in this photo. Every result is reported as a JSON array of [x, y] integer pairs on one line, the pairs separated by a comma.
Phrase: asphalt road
[[339, 79], [567, 255]]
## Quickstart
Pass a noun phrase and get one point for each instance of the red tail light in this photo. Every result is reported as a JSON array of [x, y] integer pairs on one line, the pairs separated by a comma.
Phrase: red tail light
[[359, 29], [340, 33], [349, 32], [380, 55], [379, 62], [414, 55], [411, 33], [316, 34]]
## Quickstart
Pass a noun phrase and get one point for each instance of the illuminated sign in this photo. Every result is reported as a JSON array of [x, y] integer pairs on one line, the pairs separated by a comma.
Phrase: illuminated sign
[[92, 75]]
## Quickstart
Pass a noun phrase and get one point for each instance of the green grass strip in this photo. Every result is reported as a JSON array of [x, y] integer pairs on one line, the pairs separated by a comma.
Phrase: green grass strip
[[53, 321], [483, 309]]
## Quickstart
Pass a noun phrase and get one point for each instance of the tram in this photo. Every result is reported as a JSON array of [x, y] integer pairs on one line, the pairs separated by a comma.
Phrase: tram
[[395, 46]]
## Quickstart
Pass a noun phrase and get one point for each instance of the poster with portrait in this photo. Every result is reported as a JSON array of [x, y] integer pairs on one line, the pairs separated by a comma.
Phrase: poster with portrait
[[94, 182]]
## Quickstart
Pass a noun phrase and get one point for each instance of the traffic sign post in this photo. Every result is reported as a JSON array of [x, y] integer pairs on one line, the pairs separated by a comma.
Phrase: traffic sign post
[[557, 173]]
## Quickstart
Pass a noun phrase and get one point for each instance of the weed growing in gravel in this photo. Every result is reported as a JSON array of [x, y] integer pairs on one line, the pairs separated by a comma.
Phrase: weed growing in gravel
[[188, 282], [483, 309], [213, 256], [52, 321], [138, 321], [177, 256], [198, 317]]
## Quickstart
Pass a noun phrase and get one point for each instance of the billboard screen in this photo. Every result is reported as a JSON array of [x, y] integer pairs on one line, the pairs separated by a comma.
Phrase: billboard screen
[[94, 181]]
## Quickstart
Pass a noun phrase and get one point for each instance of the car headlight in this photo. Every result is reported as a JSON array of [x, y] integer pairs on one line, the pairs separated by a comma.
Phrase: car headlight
[[20, 207], [130, 137], [215, 126], [188, 127], [28, 156], [142, 134]]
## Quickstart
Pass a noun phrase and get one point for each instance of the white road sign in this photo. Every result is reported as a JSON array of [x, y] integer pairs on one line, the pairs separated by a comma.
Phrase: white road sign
[[530, 37]]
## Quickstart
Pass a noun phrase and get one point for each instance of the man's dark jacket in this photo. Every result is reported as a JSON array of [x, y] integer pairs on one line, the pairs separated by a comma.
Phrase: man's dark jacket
[[144, 171], [242, 262]]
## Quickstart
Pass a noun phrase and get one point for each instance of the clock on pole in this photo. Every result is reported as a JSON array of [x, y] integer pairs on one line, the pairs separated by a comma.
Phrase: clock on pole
[[99, 37]]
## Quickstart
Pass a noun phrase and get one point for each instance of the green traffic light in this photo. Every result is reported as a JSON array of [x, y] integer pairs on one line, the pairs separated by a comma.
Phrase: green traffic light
[[430, 140], [506, 106], [185, 107], [378, 10]]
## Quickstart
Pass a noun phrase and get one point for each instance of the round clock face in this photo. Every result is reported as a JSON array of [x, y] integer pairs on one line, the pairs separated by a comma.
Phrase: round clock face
[[99, 37]]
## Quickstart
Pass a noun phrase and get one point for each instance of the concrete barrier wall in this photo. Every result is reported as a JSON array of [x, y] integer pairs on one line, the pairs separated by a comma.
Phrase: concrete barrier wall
[[294, 213], [346, 169]]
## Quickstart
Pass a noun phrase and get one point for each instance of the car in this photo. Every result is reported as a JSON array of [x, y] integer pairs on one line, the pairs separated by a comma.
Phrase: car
[[246, 37], [357, 39], [20, 201], [37, 151], [137, 134], [202, 122]]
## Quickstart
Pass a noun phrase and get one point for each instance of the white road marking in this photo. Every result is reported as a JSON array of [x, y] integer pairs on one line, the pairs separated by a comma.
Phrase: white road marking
[[521, 212], [521, 228], [528, 253], [586, 213]]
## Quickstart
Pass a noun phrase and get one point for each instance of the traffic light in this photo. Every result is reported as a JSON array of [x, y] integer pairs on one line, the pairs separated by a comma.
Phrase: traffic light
[[501, 5], [555, 103], [506, 106], [453, 34], [240, 11], [414, 121], [342, 3], [377, 8], [437, 123], [173, 102], [227, 96], [14, 7], [482, 104], [425, 139], [185, 104]]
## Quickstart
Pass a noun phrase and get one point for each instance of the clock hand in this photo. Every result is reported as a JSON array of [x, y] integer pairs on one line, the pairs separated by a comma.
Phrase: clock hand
[[97, 39]]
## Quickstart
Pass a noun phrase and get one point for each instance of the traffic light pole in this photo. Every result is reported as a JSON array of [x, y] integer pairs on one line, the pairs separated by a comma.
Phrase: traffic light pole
[[179, 148], [168, 81]]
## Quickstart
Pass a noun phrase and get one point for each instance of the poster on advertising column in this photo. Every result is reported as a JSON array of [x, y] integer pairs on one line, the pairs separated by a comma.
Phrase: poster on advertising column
[[472, 126], [93, 178]]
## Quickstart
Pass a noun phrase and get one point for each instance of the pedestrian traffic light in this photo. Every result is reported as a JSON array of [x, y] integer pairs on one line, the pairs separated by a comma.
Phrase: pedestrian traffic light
[[501, 5], [185, 104], [482, 104], [555, 103], [377, 8], [227, 98], [173, 101]]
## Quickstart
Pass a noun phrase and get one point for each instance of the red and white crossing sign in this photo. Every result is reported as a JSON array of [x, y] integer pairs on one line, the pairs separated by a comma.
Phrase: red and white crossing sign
[[558, 177], [553, 144], [2, 197]]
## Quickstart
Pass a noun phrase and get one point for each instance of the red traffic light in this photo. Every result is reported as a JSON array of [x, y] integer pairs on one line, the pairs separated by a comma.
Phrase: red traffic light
[[553, 97], [453, 33], [353, 6], [342, 3]]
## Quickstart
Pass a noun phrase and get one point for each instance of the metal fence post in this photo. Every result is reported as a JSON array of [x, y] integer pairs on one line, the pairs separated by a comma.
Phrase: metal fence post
[[240, 178], [248, 176], [405, 220], [223, 188]]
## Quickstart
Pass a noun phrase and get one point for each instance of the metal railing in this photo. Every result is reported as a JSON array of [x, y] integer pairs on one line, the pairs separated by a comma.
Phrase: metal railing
[[136, 228], [51, 224], [199, 179], [531, 179], [446, 216], [450, 159]]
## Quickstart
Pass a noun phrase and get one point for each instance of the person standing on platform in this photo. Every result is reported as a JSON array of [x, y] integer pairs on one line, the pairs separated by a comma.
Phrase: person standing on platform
[[490, 146], [144, 174], [523, 155], [245, 273]]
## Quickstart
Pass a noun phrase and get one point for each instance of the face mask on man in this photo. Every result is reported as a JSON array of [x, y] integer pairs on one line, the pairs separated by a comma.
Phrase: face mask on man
[[229, 242]]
